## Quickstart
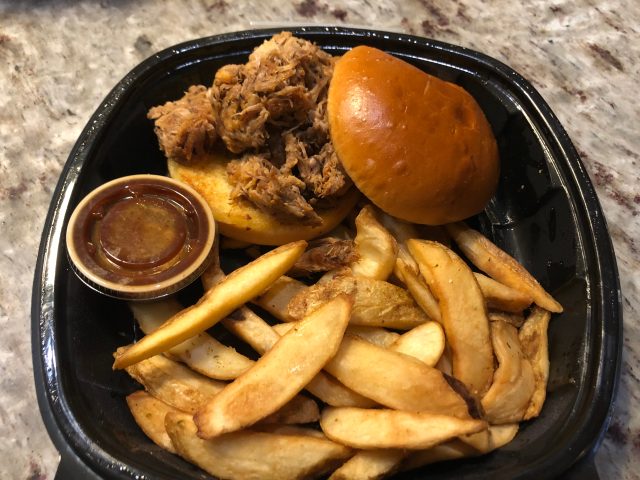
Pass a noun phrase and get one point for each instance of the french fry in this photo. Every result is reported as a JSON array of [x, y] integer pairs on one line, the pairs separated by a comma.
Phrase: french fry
[[278, 296], [377, 303], [241, 286], [534, 341], [513, 382], [201, 353], [376, 335], [370, 465], [425, 342], [174, 384], [499, 265], [288, 430], [496, 436], [279, 374], [501, 297], [382, 428], [401, 231], [394, 379], [255, 455], [463, 313], [375, 246], [188, 391], [419, 290], [149, 413]]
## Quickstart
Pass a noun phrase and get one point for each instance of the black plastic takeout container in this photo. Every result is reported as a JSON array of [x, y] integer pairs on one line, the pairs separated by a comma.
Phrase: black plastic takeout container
[[545, 213]]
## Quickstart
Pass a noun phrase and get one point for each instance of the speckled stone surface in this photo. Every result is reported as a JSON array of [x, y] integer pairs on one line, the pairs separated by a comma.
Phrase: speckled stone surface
[[59, 59]]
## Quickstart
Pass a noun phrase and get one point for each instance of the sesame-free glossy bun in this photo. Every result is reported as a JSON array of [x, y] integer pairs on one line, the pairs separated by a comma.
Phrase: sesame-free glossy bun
[[418, 147], [207, 174]]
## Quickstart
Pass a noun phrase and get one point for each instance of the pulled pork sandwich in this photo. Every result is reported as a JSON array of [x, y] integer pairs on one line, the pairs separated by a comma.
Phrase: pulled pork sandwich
[[276, 145]]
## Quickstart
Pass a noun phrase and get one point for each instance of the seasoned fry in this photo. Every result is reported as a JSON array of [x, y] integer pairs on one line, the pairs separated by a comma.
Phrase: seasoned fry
[[149, 413], [499, 265], [375, 246], [419, 290], [535, 345], [255, 455], [501, 297], [202, 353], [370, 465], [280, 374], [278, 296], [393, 379], [231, 293], [425, 342], [382, 428], [463, 312], [513, 382], [377, 303]]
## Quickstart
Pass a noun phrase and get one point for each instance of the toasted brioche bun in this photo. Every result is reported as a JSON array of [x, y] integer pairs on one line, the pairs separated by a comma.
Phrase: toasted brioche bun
[[241, 220], [418, 147]]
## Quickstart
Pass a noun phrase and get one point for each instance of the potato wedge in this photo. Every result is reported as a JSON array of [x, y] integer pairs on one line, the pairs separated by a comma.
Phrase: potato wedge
[[261, 337], [377, 303], [463, 311], [375, 246], [499, 265], [288, 430], [255, 455], [501, 297], [174, 384], [201, 353], [394, 379], [278, 296], [425, 342], [376, 335], [496, 436], [535, 345], [418, 290], [279, 374], [513, 382], [383, 428], [188, 391], [149, 413], [370, 465], [238, 288], [401, 231]]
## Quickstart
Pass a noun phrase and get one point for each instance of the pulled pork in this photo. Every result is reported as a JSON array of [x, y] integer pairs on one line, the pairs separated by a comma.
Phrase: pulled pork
[[185, 127], [323, 255], [273, 111]]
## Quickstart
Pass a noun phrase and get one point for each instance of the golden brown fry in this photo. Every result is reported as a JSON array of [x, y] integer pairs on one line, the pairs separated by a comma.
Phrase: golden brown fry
[[513, 382], [501, 297], [288, 430], [278, 296], [370, 465], [201, 353], [394, 379], [499, 265], [280, 374], [535, 345], [255, 455], [231, 293], [377, 303], [425, 342], [376, 335], [382, 428], [463, 313], [376, 247], [173, 383], [149, 413], [419, 290], [299, 409]]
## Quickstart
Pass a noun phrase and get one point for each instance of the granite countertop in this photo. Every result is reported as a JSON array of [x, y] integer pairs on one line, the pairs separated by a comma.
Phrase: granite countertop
[[59, 59]]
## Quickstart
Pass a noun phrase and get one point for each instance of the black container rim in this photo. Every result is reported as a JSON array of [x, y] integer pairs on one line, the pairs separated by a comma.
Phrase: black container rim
[[596, 413]]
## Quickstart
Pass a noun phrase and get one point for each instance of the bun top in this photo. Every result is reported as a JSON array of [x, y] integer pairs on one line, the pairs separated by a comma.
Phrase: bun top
[[418, 147]]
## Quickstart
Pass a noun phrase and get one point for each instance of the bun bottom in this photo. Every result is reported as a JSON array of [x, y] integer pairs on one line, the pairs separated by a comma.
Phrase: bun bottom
[[242, 221]]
